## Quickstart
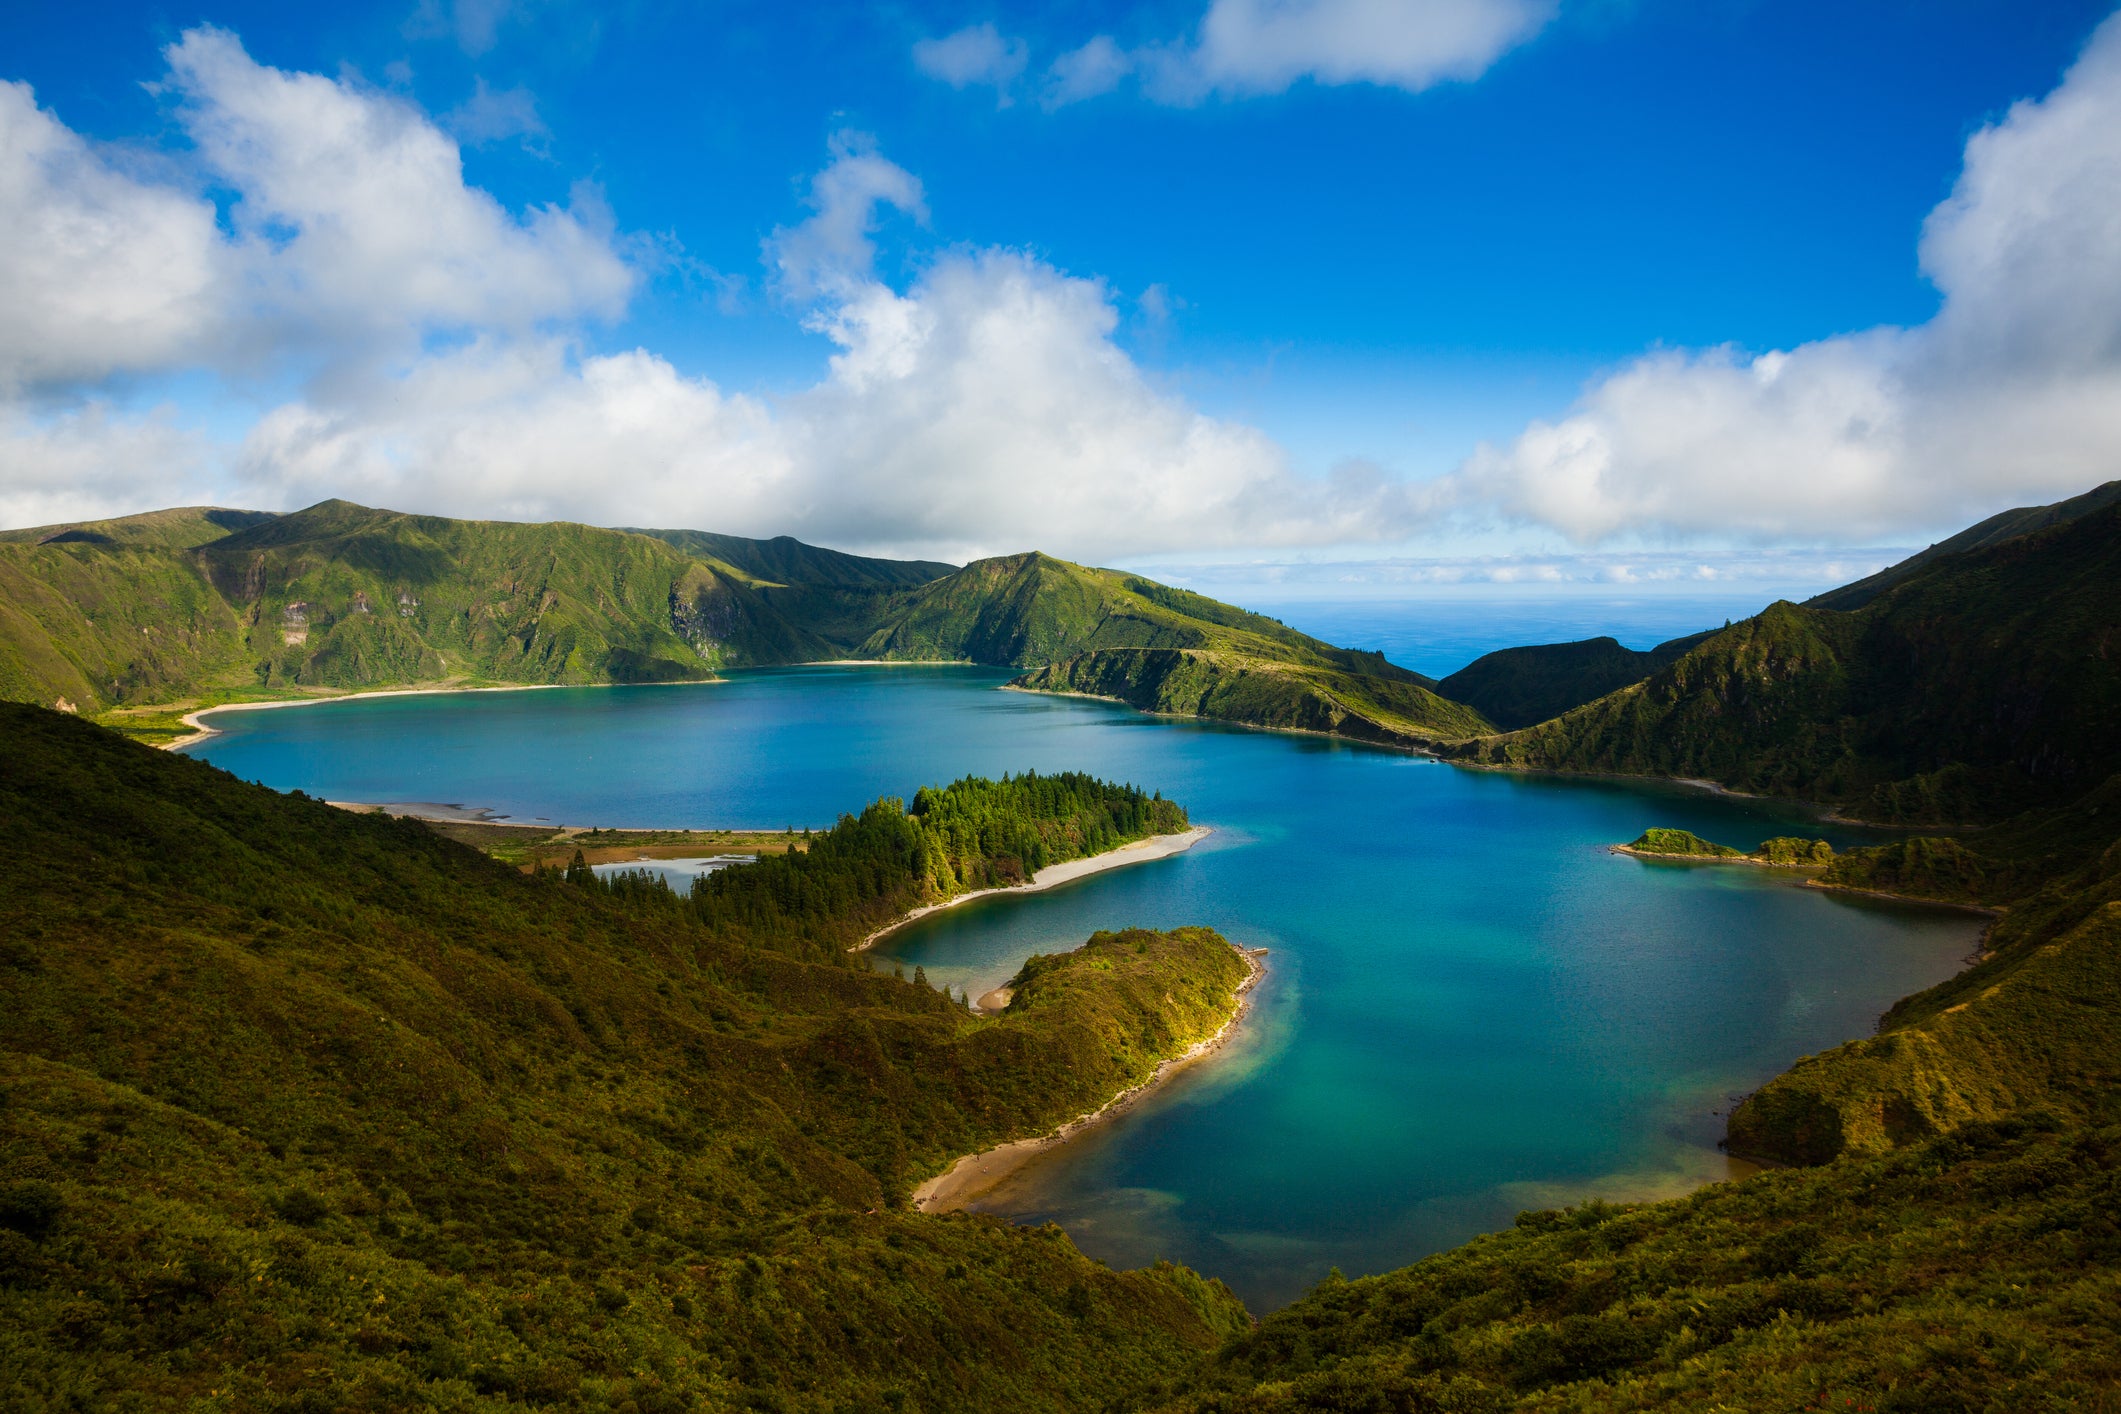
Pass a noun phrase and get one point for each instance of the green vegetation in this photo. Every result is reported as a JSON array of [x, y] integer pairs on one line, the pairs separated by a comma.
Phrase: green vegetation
[[1683, 843], [2031, 1027], [869, 870], [1787, 850], [339, 597], [1948, 1241], [1977, 688], [2007, 525], [302, 1108], [1978, 1272], [306, 1109], [1795, 850], [183, 528], [137, 621], [1261, 692], [1516, 687]]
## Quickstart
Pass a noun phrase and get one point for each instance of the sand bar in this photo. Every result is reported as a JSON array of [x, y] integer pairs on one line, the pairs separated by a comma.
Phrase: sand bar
[[976, 1174], [1054, 875]]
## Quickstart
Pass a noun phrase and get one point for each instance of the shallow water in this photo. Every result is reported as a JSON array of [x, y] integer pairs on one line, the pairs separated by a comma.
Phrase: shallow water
[[1472, 1006], [677, 874]]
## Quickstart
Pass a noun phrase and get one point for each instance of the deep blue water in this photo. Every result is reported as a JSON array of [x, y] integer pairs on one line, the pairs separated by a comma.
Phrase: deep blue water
[[1438, 636], [1472, 1008]]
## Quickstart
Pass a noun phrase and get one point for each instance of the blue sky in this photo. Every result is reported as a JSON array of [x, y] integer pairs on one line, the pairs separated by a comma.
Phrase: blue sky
[[1307, 282]]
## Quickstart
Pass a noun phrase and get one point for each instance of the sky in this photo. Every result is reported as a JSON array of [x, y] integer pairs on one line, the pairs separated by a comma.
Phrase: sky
[[1382, 293]]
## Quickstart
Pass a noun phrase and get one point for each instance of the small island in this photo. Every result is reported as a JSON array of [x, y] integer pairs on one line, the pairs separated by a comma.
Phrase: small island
[[1783, 852]]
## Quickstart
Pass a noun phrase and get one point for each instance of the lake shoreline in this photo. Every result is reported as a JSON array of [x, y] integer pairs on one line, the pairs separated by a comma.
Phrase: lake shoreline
[[202, 732], [1755, 861], [1411, 745], [972, 1175], [1140, 851]]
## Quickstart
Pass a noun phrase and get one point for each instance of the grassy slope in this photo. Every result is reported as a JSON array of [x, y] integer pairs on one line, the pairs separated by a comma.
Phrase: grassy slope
[[99, 624], [180, 528], [785, 560], [1979, 1272], [1517, 687], [1995, 530], [1161, 649], [838, 597], [505, 602], [150, 616], [1978, 688], [320, 1110], [165, 608]]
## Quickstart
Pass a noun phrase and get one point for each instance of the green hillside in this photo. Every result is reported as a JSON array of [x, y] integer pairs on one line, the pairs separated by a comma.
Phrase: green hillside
[[1262, 692], [1980, 686], [156, 613], [1945, 1238], [392, 597], [1516, 687], [341, 597], [1978, 1272], [786, 561], [2006, 525], [305, 1109], [1109, 634], [180, 529], [301, 1109]]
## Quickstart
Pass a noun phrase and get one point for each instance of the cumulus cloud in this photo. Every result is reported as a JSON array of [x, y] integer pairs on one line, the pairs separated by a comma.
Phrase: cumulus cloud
[[977, 54], [353, 237], [356, 217], [832, 252], [2013, 389], [985, 408], [100, 271], [92, 460], [527, 429]]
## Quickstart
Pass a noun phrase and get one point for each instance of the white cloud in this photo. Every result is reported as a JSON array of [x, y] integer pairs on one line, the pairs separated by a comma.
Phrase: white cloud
[[100, 272], [1265, 46], [521, 429], [495, 114], [357, 217], [91, 461], [977, 54], [1095, 69], [832, 251], [1245, 48], [984, 409], [2012, 391]]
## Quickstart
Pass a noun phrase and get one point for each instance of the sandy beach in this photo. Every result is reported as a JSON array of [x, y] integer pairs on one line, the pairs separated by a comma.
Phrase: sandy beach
[[1054, 875], [975, 1174], [201, 731]]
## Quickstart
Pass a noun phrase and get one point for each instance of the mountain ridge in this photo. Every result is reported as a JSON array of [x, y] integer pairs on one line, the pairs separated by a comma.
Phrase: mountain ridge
[[178, 609]]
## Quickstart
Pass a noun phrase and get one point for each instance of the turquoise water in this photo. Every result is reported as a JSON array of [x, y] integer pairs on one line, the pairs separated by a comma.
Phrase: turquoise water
[[1472, 1006]]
